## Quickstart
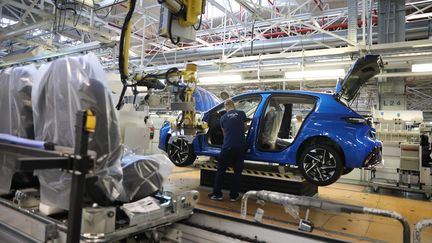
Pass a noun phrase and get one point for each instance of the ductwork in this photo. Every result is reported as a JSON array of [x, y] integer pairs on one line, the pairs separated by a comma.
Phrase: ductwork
[[414, 31]]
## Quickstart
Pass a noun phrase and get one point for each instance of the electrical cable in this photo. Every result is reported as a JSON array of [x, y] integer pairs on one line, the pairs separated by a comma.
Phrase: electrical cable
[[170, 20], [79, 15], [170, 71], [123, 62], [202, 12]]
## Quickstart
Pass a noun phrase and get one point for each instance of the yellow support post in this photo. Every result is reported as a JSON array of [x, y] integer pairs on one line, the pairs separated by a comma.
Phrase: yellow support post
[[190, 78]]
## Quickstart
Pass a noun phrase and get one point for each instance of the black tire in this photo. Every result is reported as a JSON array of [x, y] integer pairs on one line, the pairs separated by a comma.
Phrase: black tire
[[312, 160], [346, 171], [181, 153]]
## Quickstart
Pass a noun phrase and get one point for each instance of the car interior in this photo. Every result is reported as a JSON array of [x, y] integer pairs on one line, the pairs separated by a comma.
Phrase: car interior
[[249, 105], [282, 121]]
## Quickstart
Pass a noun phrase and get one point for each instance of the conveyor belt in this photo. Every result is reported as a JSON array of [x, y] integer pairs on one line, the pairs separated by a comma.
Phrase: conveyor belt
[[260, 177], [242, 230]]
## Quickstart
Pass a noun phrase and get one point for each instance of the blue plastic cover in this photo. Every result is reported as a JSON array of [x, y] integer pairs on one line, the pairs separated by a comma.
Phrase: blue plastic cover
[[7, 138], [204, 100]]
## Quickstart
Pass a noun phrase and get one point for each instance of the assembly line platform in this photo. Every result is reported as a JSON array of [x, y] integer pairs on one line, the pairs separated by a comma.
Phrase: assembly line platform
[[259, 177], [346, 227]]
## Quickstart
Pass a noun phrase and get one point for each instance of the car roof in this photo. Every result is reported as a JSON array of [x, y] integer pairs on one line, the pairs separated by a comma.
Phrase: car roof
[[318, 94]]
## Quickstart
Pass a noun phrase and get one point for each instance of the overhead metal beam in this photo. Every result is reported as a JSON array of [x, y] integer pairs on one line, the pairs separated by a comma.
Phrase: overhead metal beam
[[8, 33], [352, 20], [36, 43], [61, 52], [26, 13]]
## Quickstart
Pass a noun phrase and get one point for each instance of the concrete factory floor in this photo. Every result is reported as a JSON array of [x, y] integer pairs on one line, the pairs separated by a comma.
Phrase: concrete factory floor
[[350, 227]]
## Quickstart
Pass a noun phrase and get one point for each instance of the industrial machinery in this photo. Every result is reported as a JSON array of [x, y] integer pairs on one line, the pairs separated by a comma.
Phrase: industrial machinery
[[21, 218], [406, 152], [178, 16]]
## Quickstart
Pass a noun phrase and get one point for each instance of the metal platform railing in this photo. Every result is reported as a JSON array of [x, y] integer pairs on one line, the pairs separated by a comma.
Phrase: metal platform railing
[[418, 228], [309, 202]]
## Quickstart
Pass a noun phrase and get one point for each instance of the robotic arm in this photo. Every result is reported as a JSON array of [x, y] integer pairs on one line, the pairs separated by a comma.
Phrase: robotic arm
[[183, 15]]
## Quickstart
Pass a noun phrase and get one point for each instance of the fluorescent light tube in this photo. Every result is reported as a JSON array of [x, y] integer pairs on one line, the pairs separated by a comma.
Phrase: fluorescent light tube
[[316, 74], [419, 16], [420, 68], [221, 79]]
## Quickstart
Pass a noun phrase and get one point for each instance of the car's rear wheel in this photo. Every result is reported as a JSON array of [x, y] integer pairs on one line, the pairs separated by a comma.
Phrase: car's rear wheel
[[181, 153], [321, 164]]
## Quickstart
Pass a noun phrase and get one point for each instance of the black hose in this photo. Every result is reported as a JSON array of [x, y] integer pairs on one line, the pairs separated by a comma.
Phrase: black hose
[[170, 20], [120, 102], [171, 70], [202, 12], [124, 75]]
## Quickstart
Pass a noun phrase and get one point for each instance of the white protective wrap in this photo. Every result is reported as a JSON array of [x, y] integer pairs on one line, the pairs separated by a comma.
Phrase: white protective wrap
[[72, 84], [15, 105], [68, 85], [272, 123]]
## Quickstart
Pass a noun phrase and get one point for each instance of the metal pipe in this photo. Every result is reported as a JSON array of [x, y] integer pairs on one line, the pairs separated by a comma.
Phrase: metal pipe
[[415, 30], [288, 199], [418, 228]]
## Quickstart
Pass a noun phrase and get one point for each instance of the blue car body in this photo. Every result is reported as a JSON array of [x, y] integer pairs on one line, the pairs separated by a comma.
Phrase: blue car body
[[330, 141], [328, 119]]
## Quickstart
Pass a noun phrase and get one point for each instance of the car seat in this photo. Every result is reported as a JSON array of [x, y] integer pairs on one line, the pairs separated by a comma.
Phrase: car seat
[[215, 130], [15, 104], [271, 126], [72, 84]]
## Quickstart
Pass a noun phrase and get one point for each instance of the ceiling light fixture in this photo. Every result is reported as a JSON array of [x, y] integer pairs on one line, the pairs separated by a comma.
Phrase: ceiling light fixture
[[419, 16], [221, 79], [420, 68], [316, 74]]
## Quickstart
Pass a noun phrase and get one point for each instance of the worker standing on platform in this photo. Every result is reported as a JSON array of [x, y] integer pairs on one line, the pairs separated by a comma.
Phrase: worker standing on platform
[[233, 124]]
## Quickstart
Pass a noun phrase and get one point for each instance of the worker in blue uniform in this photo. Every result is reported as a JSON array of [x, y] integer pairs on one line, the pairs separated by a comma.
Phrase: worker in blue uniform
[[233, 124]]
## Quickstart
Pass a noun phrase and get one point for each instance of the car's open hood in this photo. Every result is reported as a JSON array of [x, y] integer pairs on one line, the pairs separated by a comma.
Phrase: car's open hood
[[360, 72]]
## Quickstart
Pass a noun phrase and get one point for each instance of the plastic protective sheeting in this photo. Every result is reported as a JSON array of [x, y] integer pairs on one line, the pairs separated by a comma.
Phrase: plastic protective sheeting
[[204, 100], [144, 175], [272, 124], [68, 85], [15, 105]]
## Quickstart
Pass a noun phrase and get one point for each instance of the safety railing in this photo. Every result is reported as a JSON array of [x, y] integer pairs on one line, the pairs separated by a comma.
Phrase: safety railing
[[418, 228], [309, 202]]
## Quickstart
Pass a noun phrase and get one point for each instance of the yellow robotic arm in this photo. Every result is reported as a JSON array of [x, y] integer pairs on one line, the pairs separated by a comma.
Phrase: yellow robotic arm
[[187, 12]]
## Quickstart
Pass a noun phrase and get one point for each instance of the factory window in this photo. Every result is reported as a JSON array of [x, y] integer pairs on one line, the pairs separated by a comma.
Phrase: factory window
[[282, 120], [247, 104]]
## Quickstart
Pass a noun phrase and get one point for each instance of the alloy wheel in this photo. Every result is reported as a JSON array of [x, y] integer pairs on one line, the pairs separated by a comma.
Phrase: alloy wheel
[[319, 165], [178, 151]]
